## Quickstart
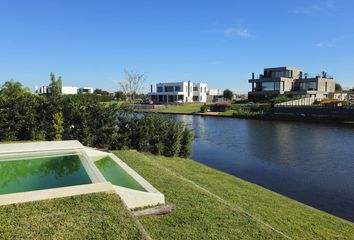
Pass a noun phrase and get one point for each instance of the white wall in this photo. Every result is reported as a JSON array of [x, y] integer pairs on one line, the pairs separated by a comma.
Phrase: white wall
[[69, 90]]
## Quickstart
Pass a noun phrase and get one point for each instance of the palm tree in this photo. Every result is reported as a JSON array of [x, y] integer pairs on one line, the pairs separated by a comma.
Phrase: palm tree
[[13, 88]]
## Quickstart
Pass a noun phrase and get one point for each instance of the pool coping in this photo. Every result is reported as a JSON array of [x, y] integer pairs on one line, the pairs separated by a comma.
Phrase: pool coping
[[132, 198], [51, 193]]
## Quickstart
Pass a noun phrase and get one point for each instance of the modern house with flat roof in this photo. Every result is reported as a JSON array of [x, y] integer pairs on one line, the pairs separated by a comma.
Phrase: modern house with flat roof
[[182, 92], [64, 90], [290, 82]]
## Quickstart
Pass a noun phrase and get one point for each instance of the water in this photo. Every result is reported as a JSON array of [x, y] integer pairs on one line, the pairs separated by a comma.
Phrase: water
[[41, 172], [311, 163], [117, 175]]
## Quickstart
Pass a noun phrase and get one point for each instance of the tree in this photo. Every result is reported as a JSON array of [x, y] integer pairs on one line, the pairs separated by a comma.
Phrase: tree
[[119, 96], [13, 89], [132, 84], [228, 94], [55, 85], [58, 121], [101, 92], [338, 87]]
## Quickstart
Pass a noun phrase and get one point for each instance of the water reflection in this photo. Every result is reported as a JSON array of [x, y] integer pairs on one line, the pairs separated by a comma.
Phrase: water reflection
[[311, 163], [19, 171]]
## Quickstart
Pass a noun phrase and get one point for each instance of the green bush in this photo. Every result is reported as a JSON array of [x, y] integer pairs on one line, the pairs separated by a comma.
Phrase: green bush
[[26, 116], [204, 108], [58, 121]]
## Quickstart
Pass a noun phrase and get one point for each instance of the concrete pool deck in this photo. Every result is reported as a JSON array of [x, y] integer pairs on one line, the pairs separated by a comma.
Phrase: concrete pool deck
[[132, 198]]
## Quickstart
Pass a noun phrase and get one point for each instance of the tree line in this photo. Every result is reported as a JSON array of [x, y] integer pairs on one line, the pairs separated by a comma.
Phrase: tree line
[[27, 116]]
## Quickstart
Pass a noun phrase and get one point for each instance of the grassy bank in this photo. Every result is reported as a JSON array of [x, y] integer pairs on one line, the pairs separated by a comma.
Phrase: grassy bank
[[209, 205], [182, 108], [214, 205], [94, 216]]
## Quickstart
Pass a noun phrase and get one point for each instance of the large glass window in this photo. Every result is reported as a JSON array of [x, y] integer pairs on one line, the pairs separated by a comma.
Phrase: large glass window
[[159, 89], [286, 74], [177, 88], [312, 85], [195, 89], [168, 88], [305, 86], [268, 86]]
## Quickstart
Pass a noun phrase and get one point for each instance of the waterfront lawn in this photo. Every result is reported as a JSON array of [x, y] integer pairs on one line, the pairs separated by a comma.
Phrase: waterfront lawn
[[182, 108], [93, 216], [207, 201]]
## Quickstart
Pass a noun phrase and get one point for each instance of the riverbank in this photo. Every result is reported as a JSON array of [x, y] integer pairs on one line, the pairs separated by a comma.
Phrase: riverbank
[[209, 205], [194, 109], [214, 205]]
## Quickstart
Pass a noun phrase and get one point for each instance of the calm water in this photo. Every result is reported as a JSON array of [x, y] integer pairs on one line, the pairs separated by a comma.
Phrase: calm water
[[38, 173], [117, 175], [311, 163]]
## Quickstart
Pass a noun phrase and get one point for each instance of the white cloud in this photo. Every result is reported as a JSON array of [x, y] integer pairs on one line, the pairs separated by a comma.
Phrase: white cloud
[[319, 6], [327, 44], [237, 32]]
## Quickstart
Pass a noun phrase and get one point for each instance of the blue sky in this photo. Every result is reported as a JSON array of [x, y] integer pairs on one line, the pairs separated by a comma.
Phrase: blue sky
[[220, 42]]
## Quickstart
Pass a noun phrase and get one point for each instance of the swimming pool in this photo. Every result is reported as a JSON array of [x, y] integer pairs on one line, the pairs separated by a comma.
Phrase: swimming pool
[[116, 174], [37, 171], [45, 170]]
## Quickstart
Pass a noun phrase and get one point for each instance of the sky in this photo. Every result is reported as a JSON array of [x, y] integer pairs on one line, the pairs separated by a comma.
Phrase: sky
[[219, 42]]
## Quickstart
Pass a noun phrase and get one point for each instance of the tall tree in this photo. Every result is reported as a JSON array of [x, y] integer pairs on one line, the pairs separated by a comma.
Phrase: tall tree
[[228, 94], [338, 87], [55, 85], [13, 88], [132, 84]]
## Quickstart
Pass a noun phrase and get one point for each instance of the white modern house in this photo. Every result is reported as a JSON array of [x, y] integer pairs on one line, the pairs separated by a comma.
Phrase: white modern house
[[64, 90], [214, 95], [182, 92]]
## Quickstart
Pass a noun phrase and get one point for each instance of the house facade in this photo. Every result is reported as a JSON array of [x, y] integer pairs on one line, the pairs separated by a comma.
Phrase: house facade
[[64, 90], [179, 92], [290, 82]]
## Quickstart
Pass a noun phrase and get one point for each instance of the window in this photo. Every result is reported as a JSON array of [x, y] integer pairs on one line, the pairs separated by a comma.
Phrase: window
[[195, 89], [305, 86], [168, 88], [277, 86], [159, 89], [287, 74], [177, 88], [270, 86]]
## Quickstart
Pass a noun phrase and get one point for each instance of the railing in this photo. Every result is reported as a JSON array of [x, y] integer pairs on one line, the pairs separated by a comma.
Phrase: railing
[[299, 102]]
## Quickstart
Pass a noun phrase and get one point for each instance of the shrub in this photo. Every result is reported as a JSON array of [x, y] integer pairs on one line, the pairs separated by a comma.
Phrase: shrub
[[25, 116], [58, 121], [186, 144], [220, 107], [204, 108]]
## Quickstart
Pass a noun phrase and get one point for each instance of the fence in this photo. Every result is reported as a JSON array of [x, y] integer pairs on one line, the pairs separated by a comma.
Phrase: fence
[[298, 102]]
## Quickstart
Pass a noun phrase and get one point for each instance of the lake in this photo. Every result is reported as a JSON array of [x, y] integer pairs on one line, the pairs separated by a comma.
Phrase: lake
[[311, 163]]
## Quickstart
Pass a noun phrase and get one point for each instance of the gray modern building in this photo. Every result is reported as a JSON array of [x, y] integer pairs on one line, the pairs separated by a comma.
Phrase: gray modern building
[[290, 82]]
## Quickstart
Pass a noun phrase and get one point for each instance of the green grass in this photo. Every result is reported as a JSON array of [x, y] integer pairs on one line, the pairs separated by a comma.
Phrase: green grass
[[93, 216], [207, 203], [183, 108], [228, 113]]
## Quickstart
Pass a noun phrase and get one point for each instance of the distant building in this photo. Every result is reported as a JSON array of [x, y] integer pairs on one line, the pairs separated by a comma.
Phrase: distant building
[[64, 90], [214, 94], [290, 82], [182, 92]]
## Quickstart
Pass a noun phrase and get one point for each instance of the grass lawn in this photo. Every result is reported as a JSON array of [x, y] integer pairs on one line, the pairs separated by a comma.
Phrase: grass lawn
[[183, 108], [93, 216], [214, 205], [209, 205]]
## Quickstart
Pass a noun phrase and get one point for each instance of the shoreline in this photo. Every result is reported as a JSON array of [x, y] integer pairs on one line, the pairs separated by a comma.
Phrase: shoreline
[[271, 117]]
